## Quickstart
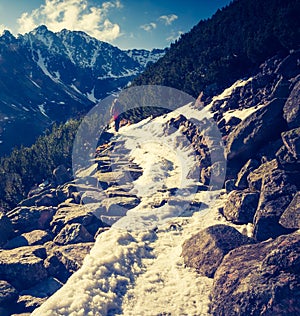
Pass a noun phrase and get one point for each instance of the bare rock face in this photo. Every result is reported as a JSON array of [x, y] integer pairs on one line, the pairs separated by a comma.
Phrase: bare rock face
[[241, 206], [206, 250], [291, 216], [250, 135], [259, 279], [291, 109], [276, 194]]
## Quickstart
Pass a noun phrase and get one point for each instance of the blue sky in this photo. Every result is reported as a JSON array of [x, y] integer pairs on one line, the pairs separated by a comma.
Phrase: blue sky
[[123, 23]]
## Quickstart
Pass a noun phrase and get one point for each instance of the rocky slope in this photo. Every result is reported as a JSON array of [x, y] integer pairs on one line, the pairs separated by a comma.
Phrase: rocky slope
[[46, 77], [253, 267]]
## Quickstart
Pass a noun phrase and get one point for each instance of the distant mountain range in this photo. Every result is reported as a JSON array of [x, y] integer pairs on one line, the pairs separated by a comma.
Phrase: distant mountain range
[[48, 77]]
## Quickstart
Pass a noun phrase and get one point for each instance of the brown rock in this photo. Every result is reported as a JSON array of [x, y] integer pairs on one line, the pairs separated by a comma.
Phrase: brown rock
[[23, 267], [259, 279], [205, 250]]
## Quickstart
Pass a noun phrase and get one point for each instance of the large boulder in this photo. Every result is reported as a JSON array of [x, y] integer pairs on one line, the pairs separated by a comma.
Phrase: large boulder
[[259, 279], [276, 195], [256, 130], [25, 219], [62, 261], [291, 216], [241, 206], [206, 250], [23, 267]]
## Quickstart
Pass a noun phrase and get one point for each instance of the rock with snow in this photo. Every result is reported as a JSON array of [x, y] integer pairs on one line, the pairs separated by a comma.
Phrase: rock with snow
[[205, 250], [259, 279], [241, 206]]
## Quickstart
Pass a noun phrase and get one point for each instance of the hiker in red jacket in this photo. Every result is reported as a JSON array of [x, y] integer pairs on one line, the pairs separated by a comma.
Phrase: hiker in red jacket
[[115, 111]]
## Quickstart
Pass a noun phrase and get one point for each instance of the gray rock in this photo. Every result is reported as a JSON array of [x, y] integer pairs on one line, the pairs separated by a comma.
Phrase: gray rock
[[25, 219], [291, 109], [241, 206], [205, 250], [73, 234], [276, 195], [35, 237], [23, 267], [8, 294], [291, 216], [259, 279]]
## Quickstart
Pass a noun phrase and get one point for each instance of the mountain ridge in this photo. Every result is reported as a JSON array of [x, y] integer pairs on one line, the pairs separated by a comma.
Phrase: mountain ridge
[[48, 77]]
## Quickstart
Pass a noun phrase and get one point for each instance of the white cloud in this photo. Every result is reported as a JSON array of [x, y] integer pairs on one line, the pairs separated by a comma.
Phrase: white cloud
[[168, 19], [174, 36], [149, 27], [74, 15], [2, 28]]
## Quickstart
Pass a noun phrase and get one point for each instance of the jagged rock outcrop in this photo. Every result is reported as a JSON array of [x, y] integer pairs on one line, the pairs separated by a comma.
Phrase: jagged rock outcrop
[[259, 279], [206, 250]]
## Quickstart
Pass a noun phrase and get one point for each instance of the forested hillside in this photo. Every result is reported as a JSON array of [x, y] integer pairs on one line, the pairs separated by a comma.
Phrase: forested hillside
[[230, 45]]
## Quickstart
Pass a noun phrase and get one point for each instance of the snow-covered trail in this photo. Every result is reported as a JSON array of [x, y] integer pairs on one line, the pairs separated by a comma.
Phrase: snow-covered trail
[[134, 269]]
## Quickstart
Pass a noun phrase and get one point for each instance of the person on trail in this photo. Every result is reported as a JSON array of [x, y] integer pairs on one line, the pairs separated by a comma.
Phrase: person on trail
[[115, 111]]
